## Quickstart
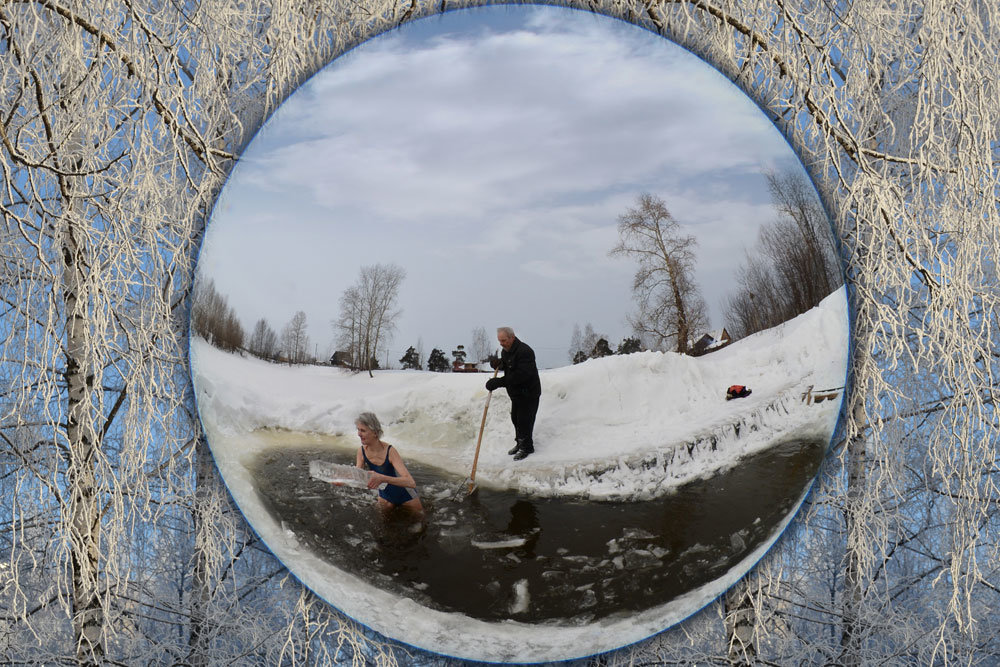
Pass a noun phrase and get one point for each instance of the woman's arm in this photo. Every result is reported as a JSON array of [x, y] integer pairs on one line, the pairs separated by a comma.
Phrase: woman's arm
[[359, 460]]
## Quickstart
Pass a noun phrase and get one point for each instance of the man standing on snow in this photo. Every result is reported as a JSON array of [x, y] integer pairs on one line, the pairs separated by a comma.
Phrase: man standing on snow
[[520, 377]]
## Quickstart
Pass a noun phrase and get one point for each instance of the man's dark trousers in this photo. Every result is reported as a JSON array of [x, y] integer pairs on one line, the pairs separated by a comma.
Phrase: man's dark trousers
[[522, 414]]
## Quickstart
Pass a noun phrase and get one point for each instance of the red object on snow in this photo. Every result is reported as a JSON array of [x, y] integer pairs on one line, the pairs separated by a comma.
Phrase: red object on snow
[[737, 391]]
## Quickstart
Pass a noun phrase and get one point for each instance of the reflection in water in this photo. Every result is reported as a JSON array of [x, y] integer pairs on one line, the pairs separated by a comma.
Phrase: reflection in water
[[498, 555]]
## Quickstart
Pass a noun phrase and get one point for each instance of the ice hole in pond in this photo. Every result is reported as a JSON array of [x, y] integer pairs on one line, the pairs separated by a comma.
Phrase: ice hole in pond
[[500, 555]]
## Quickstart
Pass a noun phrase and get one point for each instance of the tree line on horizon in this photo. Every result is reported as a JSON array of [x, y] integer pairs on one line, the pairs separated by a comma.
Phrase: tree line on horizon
[[368, 311], [216, 321]]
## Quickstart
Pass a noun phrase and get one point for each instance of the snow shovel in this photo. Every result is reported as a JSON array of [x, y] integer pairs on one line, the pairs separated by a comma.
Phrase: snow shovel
[[479, 441]]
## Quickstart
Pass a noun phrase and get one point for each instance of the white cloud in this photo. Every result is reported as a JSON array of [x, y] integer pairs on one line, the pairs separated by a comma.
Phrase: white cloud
[[478, 150], [551, 270]]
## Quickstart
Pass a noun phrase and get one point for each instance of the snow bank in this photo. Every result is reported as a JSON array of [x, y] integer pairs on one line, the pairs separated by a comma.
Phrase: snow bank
[[619, 427]]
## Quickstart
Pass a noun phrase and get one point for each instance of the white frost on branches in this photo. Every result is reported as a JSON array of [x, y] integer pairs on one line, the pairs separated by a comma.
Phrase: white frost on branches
[[118, 124]]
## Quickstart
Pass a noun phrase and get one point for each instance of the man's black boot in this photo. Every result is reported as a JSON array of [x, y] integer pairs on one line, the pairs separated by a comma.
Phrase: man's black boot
[[523, 452]]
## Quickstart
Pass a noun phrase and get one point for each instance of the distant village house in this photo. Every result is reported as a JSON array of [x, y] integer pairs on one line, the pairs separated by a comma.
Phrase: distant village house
[[341, 358], [465, 367], [710, 342]]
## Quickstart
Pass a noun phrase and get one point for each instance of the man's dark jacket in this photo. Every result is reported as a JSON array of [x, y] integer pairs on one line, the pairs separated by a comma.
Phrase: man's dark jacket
[[520, 374]]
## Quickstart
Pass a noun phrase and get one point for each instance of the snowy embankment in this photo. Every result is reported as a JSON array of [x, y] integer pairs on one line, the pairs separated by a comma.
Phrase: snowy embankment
[[619, 427]]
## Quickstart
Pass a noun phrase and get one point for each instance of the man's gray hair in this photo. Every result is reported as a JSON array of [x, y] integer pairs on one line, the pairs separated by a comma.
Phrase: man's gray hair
[[370, 421], [506, 330]]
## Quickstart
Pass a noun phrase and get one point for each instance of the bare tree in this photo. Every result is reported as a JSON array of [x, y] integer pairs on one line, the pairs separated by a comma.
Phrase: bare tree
[[368, 312], [214, 319], [576, 345], [263, 340], [794, 199], [295, 339], [670, 306], [482, 344], [794, 266]]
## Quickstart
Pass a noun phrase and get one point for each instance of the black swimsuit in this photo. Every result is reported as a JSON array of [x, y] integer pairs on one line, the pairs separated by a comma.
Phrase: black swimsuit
[[397, 495]]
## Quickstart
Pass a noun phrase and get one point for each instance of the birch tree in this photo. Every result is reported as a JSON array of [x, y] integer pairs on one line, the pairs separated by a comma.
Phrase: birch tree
[[670, 306], [263, 340], [118, 124], [482, 344], [295, 339], [368, 313]]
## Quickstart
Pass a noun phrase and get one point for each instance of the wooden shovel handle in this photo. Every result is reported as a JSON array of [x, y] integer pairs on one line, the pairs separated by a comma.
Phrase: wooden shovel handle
[[479, 441]]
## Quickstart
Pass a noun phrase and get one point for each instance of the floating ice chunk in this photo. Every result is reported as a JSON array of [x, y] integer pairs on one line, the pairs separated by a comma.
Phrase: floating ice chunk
[[339, 474], [508, 543], [455, 538], [697, 548], [659, 552], [637, 534], [520, 603], [580, 560], [640, 559]]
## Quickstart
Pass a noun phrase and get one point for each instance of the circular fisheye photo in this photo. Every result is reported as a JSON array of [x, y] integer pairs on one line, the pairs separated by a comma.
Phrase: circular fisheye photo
[[519, 334]]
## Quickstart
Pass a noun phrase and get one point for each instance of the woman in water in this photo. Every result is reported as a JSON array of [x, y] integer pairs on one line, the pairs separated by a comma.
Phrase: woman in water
[[386, 466]]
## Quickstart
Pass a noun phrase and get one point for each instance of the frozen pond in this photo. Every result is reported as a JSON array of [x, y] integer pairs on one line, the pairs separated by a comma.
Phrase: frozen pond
[[501, 555]]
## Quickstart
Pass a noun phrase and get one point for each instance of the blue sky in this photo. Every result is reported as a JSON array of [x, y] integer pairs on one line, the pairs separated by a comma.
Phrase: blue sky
[[490, 152]]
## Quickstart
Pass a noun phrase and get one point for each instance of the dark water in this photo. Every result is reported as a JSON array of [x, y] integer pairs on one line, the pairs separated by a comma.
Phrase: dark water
[[574, 560]]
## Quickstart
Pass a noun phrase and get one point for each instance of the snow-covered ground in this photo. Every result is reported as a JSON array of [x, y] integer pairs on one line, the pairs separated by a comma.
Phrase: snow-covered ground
[[626, 427]]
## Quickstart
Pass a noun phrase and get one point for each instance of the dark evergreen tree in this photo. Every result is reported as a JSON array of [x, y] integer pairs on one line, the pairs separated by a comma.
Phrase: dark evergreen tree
[[580, 357], [459, 355], [437, 362], [629, 345], [601, 349], [410, 360]]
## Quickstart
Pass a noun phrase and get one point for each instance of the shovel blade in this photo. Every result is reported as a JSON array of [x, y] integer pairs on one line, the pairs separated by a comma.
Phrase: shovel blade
[[467, 489]]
